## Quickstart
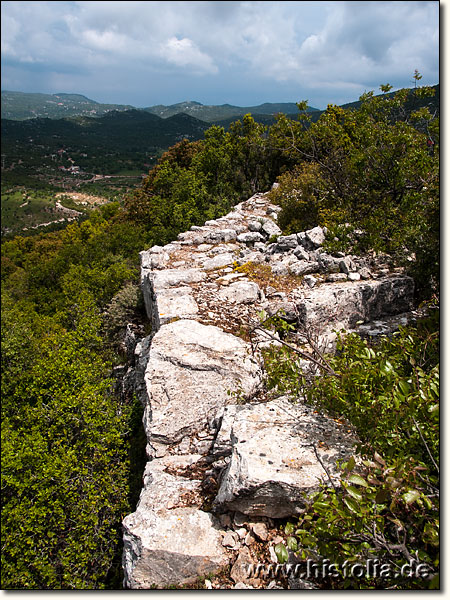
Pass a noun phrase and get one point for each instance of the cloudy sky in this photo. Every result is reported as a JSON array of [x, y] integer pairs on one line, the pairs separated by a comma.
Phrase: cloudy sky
[[244, 53]]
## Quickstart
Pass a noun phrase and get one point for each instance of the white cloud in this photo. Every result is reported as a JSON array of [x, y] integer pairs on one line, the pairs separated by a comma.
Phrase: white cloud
[[184, 53], [104, 40], [249, 47]]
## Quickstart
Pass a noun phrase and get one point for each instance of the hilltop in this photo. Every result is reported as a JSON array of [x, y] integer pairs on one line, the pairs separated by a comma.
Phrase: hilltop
[[20, 106]]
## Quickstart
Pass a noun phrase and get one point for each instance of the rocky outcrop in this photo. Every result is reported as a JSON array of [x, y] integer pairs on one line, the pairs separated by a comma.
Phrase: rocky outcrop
[[225, 462], [346, 306], [278, 453]]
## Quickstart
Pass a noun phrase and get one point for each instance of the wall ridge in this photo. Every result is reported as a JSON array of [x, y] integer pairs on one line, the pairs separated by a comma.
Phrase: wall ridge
[[202, 292]]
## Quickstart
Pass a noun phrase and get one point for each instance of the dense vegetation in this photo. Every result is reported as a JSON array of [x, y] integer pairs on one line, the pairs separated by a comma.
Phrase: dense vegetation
[[68, 435], [387, 511]]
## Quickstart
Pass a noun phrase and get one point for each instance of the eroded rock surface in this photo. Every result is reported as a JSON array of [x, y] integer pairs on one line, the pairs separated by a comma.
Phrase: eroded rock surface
[[278, 453], [169, 540], [191, 370]]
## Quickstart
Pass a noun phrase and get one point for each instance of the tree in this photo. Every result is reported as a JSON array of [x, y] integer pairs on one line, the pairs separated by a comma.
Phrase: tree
[[64, 460], [374, 170]]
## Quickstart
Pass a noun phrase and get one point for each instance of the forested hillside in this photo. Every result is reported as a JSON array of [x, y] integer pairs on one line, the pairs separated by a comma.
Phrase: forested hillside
[[73, 452], [215, 114], [22, 105]]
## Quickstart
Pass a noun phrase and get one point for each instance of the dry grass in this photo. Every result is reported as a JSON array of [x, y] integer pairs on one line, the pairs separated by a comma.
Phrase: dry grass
[[264, 277]]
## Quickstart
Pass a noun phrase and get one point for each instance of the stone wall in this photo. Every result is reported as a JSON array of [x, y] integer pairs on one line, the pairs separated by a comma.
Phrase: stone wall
[[220, 472]]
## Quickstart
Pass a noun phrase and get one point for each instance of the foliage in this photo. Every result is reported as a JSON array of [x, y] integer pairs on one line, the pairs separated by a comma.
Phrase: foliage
[[300, 194], [376, 168], [387, 506], [127, 306], [71, 446], [64, 458], [384, 514], [383, 389], [197, 181]]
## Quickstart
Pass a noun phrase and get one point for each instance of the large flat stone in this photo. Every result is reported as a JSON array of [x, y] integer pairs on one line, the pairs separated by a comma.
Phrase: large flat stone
[[221, 260], [175, 278], [241, 292], [342, 305], [273, 462], [191, 370], [169, 540], [175, 303]]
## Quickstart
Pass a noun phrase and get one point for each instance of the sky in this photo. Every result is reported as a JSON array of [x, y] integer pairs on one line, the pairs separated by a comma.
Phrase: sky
[[241, 53]]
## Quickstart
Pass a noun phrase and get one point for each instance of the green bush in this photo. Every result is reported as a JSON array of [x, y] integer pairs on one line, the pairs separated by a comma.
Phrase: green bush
[[300, 194], [64, 457], [370, 167], [127, 306], [387, 506]]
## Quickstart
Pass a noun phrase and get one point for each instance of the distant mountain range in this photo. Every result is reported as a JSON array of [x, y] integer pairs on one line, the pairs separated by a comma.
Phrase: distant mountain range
[[19, 106], [214, 114], [126, 129]]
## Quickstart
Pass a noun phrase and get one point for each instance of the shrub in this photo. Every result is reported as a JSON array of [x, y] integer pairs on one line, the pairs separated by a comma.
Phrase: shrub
[[387, 506], [300, 194], [127, 306]]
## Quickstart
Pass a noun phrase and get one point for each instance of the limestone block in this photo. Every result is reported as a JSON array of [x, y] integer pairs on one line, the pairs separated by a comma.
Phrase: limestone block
[[315, 236], [220, 235], [250, 237], [303, 267], [175, 277], [254, 226], [175, 303], [169, 540], [270, 228], [160, 302], [190, 370], [342, 305], [273, 462], [301, 253], [286, 242], [221, 260], [328, 264], [347, 265], [241, 292]]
